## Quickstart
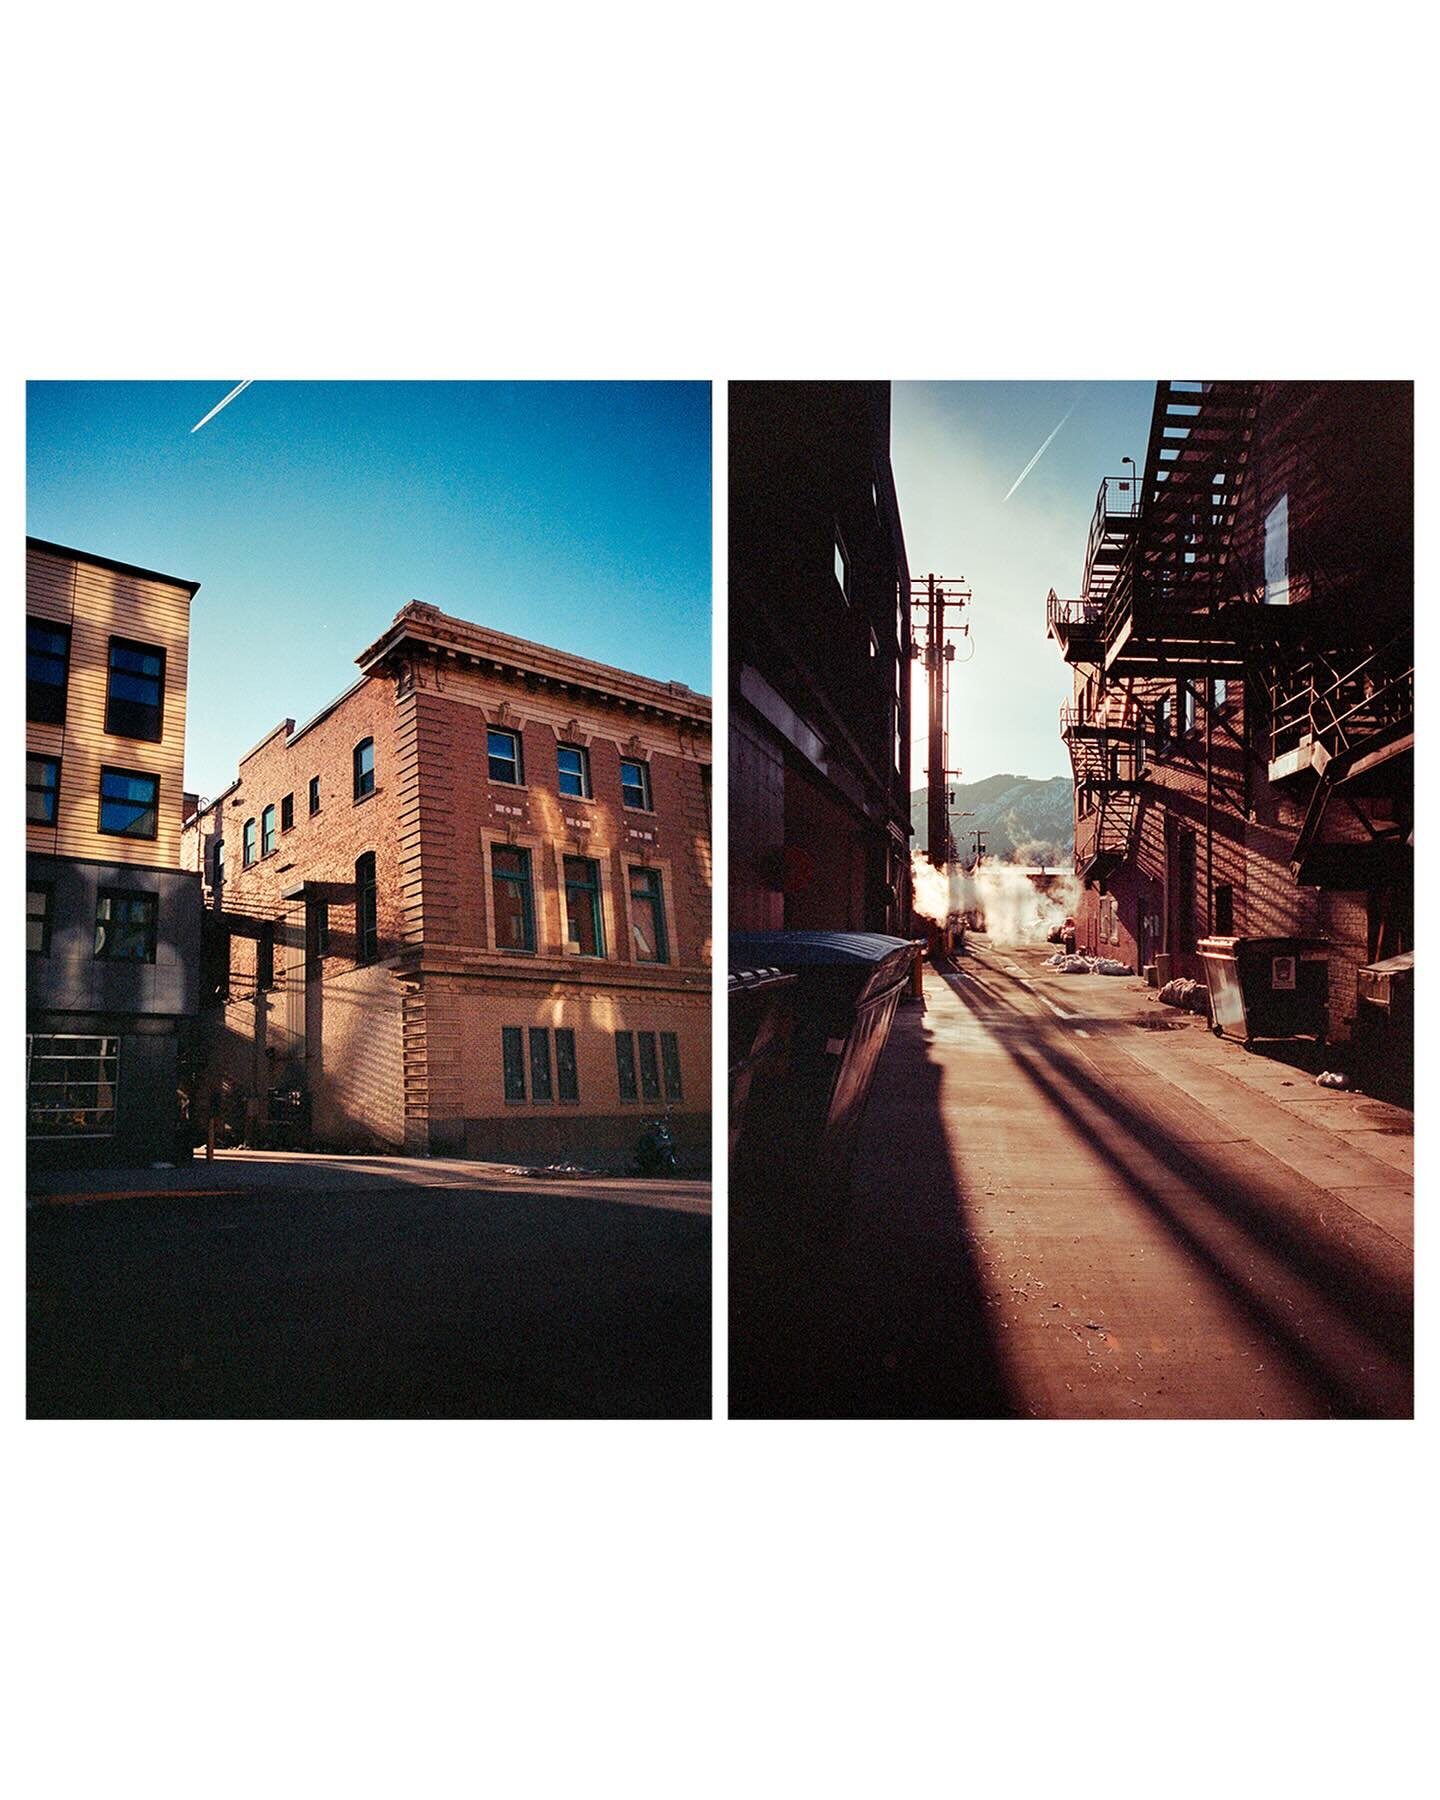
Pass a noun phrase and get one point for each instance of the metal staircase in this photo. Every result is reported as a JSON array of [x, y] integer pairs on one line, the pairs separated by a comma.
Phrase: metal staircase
[[1107, 754], [1075, 624], [1161, 610]]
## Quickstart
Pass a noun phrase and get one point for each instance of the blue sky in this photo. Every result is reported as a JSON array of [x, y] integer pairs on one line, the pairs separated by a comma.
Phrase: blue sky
[[577, 514], [956, 448]]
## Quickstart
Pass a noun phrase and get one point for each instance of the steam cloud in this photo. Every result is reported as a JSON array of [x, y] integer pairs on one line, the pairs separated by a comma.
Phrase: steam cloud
[[1013, 908]]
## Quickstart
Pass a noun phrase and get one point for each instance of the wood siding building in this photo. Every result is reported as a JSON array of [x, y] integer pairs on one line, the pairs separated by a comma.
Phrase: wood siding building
[[112, 921]]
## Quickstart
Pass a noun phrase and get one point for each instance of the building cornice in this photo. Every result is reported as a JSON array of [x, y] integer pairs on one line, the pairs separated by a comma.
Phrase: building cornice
[[420, 626]]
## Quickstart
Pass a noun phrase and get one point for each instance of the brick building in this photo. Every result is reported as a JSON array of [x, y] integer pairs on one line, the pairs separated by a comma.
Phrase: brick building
[[466, 909], [819, 661], [1242, 729], [113, 925]]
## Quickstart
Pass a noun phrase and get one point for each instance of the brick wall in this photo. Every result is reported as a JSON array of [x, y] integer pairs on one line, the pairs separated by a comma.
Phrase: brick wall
[[1338, 455], [407, 1052]]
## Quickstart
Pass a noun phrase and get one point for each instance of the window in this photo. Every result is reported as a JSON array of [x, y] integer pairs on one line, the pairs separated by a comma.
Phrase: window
[[219, 876], [38, 898], [514, 899], [317, 932], [135, 697], [367, 937], [1187, 702], [42, 789], [287, 813], [625, 1065], [543, 1084], [1224, 909], [541, 1088], [512, 1054], [574, 771], [1277, 553], [265, 958], [364, 761], [670, 1063], [267, 830], [635, 1051], [842, 565], [125, 926], [129, 803], [635, 784], [567, 1077], [1164, 709], [70, 1085], [647, 916], [649, 1066], [1218, 692], [582, 906], [507, 763], [47, 669], [314, 795], [248, 854]]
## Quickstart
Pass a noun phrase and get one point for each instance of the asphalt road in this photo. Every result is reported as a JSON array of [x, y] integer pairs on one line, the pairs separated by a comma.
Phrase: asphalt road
[[1072, 1203], [324, 1288]]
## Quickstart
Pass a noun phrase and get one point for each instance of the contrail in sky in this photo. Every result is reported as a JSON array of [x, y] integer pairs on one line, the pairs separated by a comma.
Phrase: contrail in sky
[[1023, 473], [244, 384]]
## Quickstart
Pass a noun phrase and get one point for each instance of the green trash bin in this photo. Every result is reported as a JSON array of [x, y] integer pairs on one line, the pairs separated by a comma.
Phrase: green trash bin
[[1273, 987]]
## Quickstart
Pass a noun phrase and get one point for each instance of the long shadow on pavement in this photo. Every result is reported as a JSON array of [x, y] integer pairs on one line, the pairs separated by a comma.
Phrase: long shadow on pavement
[[886, 1319], [1368, 1305]]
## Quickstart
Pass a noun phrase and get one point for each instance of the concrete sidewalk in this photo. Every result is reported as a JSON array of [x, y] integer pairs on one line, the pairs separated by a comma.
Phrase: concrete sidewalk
[[235, 1172], [1364, 1154], [1071, 1202]]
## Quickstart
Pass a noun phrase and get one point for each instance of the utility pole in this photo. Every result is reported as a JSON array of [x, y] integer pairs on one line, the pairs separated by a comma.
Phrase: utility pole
[[979, 839], [941, 601]]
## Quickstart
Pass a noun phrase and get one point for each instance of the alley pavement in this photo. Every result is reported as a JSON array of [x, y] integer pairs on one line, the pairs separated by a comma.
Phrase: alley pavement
[[1073, 1202], [270, 1285]]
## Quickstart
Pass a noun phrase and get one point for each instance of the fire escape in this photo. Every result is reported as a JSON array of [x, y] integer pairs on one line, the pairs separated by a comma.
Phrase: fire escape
[[1349, 719], [1076, 624], [1105, 740], [1164, 610], [1152, 600], [1107, 754]]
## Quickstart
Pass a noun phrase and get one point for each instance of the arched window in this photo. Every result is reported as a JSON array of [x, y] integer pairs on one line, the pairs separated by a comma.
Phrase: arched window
[[249, 849], [364, 768]]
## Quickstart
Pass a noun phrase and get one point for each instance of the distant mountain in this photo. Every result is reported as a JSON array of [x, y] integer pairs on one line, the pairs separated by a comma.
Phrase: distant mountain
[[1023, 820]]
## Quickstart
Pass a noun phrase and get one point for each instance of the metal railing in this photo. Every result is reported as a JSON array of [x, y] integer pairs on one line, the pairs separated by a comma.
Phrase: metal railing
[[1317, 704], [1117, 507], [1070, 612]]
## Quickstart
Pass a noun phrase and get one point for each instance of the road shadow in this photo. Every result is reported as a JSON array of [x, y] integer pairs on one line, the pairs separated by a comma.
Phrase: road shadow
[[370, 1302], [874, 1308]]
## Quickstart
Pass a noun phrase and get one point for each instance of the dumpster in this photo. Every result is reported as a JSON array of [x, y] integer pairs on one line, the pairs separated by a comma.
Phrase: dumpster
[[1267, 987], [799, 1135], [1385, 1007], [760, 1017]]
